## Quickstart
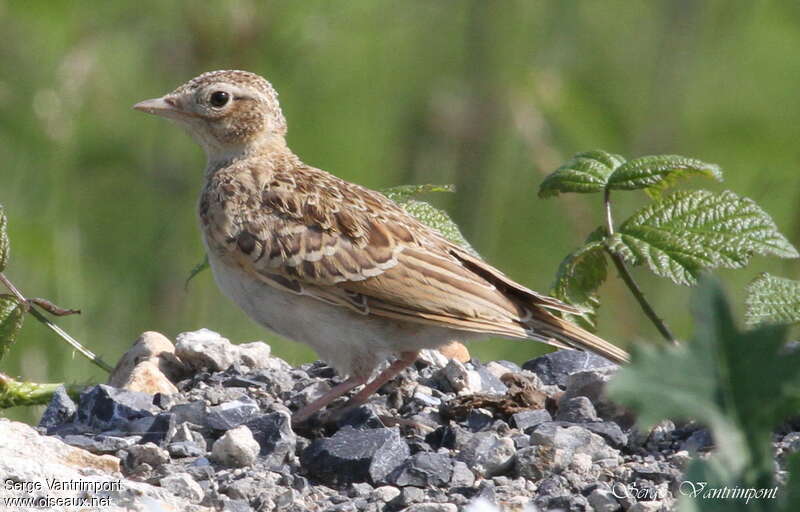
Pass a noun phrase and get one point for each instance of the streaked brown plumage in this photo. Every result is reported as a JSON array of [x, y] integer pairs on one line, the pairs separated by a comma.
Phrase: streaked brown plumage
[[324, 261]]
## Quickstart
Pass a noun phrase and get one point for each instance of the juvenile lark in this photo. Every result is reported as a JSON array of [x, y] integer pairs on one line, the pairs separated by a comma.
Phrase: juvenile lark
[[332, 264]]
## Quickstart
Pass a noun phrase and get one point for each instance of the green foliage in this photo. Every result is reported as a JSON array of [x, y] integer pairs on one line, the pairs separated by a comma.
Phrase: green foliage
[[403, 193], [585, 173], [773, 300], [677, 236], [12, 315], [203, 265], [656, 173], [579, 276], [15, 393], [597, 171], [4, 245], [428, 214], [689, 231], [741, 384]]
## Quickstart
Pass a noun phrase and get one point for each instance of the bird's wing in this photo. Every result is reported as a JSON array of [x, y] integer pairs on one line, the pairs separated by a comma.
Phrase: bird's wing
[[311, 233]]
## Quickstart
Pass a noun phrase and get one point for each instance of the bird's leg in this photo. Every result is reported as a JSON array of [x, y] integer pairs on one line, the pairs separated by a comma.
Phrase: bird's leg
[[406, 359], [335, 392]]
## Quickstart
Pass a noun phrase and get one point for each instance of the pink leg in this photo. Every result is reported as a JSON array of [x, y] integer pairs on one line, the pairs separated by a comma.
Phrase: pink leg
[[406, 360], [335, 392]]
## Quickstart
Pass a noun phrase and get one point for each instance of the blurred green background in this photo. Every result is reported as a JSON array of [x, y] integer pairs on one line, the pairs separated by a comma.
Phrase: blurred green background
[[490, 96]]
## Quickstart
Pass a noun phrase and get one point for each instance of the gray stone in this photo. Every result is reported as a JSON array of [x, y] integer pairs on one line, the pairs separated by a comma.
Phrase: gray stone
[[603, 500], [353, 455], [479, 419], [577, 409], [147, 453], [275, 436], [236, 448], [99, 444], [609, 431], [206, 349], [526, 421], [228, 415], [462, 476], [432, 507], [60, 410], [699, 441], [255, 355], [555, 367], [488, 454], [424, 469], [162, 427], [385, 493], [182, 484], [193, 412], [554, 447], [591, 384], [105, 408], [490, 383], [462, 380], [182, 449]]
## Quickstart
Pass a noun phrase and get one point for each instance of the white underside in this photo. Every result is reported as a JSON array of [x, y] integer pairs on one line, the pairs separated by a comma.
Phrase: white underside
[[353, 343]]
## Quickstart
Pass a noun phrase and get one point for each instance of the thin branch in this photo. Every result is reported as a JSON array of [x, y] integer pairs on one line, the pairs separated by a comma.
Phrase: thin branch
[[31, 308], [628, 279]]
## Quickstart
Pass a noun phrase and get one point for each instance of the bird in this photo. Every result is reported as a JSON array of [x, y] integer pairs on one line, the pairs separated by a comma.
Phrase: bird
[[335, 265]]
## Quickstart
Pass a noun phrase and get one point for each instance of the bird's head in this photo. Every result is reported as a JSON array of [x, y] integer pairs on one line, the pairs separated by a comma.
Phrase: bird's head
[[229, 113]]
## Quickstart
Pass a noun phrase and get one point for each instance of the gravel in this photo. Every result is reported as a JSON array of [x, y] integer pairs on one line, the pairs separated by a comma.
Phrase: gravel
[[445, 436]]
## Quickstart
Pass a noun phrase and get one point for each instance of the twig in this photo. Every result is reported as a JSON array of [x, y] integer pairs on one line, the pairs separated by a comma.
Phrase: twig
[[627, 278], [30, 305]]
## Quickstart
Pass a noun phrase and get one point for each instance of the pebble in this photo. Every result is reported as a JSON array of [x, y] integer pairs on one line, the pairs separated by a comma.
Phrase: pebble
[[226, 441], [353, 455], [236, 448], [205, 349], [182, 484]]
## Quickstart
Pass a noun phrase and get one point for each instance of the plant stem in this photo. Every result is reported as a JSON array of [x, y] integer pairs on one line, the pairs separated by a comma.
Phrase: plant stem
[[628, 279], [91, 356], [14, 393]]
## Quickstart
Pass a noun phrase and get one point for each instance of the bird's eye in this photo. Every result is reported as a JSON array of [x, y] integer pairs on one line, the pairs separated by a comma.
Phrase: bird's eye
[[219, 98]]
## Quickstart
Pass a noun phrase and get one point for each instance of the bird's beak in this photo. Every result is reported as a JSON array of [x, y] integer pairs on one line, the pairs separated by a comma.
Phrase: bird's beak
[[165, 106]]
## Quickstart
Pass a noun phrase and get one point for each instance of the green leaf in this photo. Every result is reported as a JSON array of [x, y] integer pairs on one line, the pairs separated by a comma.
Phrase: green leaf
[[11, 316], [688, 231], [4, 244], [579, 276], [438, 220], [656, 173], [772, 300], [741, 384], [203, 265], [403, 193], [584, 173], [428, 214]]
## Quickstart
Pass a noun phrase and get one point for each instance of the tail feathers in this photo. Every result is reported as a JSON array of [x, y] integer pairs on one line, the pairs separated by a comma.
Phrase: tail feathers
[[565, 334]]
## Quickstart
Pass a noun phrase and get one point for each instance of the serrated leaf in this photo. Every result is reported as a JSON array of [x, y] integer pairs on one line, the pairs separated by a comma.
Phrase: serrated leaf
[[680, 235], [579, 276], [772, 300], [11, 318], [742, 384], [656, 173], [403, 193], [428, 214], [203, 265], [585, 173], [4, 244], [438, 220]]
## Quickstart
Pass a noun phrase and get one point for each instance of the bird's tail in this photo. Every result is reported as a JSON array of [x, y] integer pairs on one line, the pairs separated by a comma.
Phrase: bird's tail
[[565, 334]]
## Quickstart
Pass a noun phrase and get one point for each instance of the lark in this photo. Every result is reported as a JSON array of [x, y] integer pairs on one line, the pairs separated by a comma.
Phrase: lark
[[332, 264]]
